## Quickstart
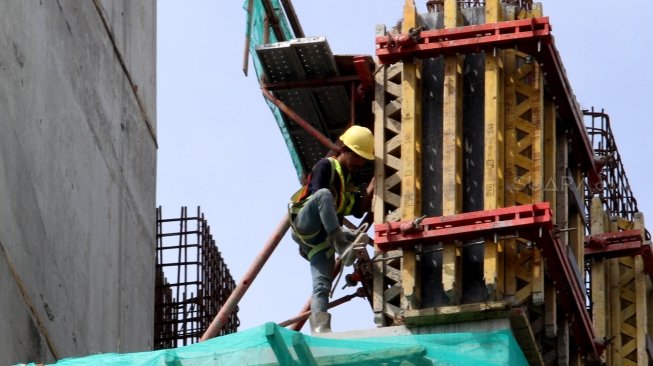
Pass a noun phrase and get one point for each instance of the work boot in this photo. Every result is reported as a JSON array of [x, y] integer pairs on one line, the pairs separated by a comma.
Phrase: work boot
[[342, 246], [320, 323]]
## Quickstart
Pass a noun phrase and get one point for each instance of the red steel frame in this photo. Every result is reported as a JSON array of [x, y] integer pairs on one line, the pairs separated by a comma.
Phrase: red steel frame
[[532, 36], [531, 222], [620, 244]]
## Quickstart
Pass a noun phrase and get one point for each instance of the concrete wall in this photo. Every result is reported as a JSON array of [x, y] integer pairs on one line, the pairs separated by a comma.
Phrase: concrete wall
[[77, 177]]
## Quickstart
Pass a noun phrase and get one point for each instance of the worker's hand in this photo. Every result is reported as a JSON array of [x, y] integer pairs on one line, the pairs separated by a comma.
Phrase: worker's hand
[[370, 187], [350, 234]]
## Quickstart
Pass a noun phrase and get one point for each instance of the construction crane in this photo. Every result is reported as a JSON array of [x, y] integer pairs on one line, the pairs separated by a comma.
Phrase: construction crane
[[497, 196]]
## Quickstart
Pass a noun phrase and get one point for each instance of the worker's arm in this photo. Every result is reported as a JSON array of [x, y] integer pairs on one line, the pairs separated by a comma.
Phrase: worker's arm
[[364, 200], [320, 176]]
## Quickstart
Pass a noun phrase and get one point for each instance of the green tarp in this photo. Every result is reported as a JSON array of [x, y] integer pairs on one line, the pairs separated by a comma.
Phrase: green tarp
[[269, 343]]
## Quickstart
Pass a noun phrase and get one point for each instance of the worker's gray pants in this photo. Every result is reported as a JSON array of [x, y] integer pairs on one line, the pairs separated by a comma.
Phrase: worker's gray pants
[[318, 213], [322, 264]]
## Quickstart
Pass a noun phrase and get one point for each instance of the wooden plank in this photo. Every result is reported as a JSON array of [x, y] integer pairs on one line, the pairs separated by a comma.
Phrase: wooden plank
[[451, 168], [409, 279], [641, 297], [458, 313], [410, 136], [537, 171], [615, 312], [410, 155], [550, 311], [598, 279], [492, 173], [501, 168], [452, 165], [492, 11], [451, 13], [561, 211], [549, 194], [379, 210], [379, 146], [577, 237], [452, 158], [511, 261]]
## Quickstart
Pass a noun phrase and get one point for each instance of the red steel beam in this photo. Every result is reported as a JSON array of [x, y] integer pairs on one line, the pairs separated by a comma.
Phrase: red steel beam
[[532, 36], [392, 235], [473, 38], [532, 222], [620, 244], [612, 245], [364, 73]]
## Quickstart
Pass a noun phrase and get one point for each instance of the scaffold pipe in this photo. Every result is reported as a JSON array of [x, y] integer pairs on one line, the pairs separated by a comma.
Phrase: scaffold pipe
[[300, 121], [230, 305], [301, 317]]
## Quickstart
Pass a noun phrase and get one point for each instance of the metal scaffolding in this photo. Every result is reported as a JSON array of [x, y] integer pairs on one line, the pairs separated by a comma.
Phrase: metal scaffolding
[[192, 282], [614, 190]]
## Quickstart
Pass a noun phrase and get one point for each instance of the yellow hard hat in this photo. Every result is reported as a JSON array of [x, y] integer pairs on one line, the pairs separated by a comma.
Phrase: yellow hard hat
[[360, 140]]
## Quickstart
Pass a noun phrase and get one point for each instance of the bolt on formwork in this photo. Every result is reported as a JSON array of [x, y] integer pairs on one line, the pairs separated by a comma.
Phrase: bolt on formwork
[[192, 281], [433, 6]]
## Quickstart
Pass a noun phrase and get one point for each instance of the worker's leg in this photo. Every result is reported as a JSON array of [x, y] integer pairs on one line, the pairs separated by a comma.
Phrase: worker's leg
[[322, 274], [318, 212], [322, 264]]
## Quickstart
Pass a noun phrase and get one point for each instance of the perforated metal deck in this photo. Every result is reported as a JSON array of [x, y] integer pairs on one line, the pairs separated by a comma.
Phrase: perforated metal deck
[[325, 107]]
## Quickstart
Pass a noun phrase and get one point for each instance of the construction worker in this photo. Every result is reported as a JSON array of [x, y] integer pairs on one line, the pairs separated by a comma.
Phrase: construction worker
[[317, 211]]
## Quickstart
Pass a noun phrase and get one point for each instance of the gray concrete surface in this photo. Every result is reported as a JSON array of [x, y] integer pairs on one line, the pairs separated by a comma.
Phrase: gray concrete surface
[[77, 177]]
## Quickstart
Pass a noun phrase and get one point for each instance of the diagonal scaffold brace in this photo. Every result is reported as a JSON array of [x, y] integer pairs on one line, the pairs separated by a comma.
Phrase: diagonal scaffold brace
[[230, 305]]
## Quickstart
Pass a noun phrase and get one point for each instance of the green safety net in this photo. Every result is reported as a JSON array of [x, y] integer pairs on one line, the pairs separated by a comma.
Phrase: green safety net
[[256, 31], [270, 344]]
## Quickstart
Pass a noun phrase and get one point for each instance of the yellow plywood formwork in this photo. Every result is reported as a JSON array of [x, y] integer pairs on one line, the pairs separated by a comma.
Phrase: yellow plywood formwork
[[526, 159]]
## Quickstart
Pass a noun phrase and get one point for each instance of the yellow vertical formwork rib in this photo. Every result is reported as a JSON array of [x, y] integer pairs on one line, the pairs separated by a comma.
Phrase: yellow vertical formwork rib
[[537, 181], [512, 264], [452, 125], [641, 297], [615, 304], [549, 192], [628, 305], [493, 165], [599, 282], [410, 157]]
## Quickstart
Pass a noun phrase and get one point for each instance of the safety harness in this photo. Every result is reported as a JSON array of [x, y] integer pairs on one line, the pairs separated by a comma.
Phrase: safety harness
[[344, 203]]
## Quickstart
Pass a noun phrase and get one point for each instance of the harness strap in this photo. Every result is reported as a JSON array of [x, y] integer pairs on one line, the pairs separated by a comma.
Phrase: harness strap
[[315, 248]]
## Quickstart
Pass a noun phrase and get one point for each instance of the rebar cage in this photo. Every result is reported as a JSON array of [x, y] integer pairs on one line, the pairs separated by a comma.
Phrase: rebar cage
[[192, 281]]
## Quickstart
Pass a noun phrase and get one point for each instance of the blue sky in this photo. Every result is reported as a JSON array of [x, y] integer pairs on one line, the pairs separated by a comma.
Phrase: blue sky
[[220, 148]]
